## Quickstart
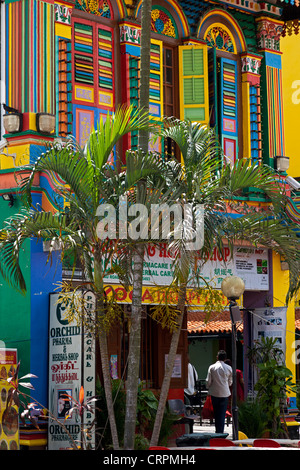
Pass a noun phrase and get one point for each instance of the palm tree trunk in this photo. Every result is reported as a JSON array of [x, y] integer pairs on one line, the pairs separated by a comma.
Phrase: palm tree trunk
[[169, 368], [104, 352], [134, 350], [135, 329]]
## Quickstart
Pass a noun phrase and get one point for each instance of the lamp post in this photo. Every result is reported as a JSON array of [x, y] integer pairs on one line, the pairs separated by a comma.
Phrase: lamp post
[[233, 287]]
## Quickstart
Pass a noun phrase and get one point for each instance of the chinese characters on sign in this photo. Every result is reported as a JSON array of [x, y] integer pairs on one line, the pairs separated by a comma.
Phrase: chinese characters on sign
[[249, 263]]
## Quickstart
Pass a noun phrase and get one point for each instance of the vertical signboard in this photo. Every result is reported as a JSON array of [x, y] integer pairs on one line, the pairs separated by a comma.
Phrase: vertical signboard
[[89, 379], [9, 416], [270, 322], [65, 365]]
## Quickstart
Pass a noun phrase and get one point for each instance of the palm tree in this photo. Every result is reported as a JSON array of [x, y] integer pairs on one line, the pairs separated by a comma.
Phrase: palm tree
[[89, 180], [209, 182], [138, 256]]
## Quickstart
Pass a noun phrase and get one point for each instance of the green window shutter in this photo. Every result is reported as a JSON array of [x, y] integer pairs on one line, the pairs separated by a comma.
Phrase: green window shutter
[[193, 82]]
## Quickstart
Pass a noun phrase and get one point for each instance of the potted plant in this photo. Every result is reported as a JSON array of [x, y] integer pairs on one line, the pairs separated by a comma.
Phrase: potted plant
[[275, 380]]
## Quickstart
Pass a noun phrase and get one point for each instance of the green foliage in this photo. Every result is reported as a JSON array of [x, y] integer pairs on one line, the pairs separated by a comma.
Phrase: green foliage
[[146, 407], [147, 404], [252, 418], [264, 350], [275, 380], [119, 401]]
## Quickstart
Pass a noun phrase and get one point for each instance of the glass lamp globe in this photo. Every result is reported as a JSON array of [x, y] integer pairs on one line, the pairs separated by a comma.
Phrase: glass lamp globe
[[233, 287]]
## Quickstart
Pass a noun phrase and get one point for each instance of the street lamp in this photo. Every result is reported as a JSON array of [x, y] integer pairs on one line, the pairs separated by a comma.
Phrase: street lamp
[[233, 287]]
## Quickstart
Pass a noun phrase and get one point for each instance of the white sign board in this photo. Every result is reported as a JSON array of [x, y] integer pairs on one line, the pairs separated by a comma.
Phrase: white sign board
[[65, 363], [270, 322], [71, 365], [249, 263]]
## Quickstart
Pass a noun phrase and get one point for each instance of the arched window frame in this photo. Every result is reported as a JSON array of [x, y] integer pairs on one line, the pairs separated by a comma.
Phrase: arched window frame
[[230, 132]]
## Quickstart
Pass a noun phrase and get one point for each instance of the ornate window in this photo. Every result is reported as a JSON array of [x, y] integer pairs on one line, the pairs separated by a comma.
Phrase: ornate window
[[162, 22], [169, 87], [92, 57], [223, 81], [95, 7], [220, 38], [93, 63]]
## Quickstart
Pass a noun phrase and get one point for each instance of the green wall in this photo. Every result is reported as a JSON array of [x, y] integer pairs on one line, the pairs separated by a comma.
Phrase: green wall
[[202, 354], [15, 307]]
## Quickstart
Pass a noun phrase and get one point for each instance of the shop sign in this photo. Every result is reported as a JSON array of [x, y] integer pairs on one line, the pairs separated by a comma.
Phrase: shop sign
[[9, 417], [153, 295], [251, 264], [67, 373]]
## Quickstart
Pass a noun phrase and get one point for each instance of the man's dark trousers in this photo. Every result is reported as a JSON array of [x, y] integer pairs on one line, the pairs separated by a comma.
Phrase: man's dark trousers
[[220, 406]]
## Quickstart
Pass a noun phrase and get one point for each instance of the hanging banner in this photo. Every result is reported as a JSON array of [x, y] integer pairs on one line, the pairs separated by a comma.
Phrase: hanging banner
[[270, 323], [9, 417], [251, 264]]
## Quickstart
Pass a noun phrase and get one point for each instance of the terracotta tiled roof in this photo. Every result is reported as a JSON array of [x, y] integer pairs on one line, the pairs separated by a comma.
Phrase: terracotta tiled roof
[[217, 323]]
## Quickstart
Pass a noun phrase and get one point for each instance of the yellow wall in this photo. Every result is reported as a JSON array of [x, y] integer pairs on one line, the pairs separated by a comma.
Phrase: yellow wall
[[14, 155], [290, 47], [280, 288]]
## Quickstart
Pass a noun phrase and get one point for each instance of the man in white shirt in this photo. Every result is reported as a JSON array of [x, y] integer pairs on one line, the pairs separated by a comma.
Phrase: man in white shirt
[[191, 391], [218, 381]]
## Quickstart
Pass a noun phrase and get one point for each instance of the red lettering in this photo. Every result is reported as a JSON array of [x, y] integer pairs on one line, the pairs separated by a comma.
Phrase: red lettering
[[121, 293], [147, 296], [226, 253], [151, 250], [163, 250]]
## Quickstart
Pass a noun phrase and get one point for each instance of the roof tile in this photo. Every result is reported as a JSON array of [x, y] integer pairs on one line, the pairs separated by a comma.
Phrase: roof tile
[[217, 322]]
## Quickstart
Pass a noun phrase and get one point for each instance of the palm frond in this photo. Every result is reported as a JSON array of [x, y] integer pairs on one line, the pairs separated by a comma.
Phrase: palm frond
[[271, 232], [112, 128], [57, 229], [73, 169]]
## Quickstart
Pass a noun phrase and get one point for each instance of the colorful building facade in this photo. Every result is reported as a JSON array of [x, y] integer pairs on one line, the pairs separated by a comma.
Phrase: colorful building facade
[[64, 64]]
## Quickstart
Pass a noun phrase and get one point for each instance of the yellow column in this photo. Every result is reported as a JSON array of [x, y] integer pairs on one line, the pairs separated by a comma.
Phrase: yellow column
[[280, 288]]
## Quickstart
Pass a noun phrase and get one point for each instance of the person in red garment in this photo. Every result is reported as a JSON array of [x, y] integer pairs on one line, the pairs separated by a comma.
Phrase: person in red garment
[[239, 383]]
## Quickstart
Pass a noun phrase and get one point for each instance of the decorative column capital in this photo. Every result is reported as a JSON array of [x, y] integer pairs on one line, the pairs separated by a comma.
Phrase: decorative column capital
[[269, 33], [62, 14], [251, 63], [251, 67], [130, 33]]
